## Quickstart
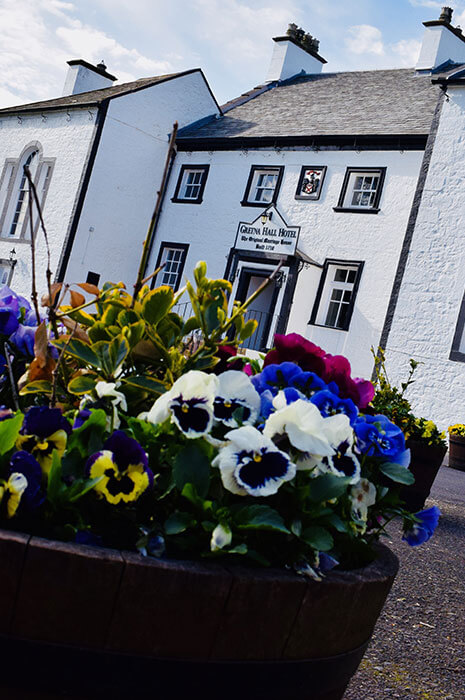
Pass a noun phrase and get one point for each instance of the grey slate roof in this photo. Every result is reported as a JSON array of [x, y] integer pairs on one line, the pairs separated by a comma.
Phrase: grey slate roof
[[93, 97], [379, 102]]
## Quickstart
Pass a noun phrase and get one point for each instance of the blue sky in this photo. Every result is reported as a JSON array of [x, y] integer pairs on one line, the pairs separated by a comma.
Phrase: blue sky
[[229, 39]]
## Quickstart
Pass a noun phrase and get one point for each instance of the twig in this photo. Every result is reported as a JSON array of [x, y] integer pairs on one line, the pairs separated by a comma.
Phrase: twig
[[88, 303], [48, 273], [11, 377], [53, 397], [155, 215], [33, 251], [154, 274]]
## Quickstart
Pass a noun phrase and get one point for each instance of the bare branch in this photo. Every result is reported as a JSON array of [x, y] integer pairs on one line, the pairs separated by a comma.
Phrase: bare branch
[[14, 391], [53, 397]]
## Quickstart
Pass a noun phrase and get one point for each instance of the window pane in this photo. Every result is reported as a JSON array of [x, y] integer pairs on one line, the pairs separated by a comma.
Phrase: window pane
[[347, 296], [332, 314], [336, 295], [351, 276], [340, 275]]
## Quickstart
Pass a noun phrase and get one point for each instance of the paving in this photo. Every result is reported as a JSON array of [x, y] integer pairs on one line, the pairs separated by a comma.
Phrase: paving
[[418, 648]]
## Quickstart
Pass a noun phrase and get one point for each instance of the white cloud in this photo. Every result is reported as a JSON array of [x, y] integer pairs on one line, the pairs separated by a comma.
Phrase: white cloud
[[407, 50], [364, 38], [427, 3]]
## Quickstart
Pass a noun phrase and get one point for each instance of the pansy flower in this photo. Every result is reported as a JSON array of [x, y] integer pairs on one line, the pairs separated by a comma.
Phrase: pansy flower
[[24, 463], [236, 401], [124, 469], [295, 348], [274, 378], [44, 430], [330, 404], [303, 426], [13, 490], [422, 531], [251, 464], [378, 437], [189, 404], [343, 461], [362, 495]]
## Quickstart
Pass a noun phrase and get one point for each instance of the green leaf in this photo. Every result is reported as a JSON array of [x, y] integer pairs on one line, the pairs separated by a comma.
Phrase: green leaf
[[179, 522], [79, 350], [88, 438], [40, 386], [192, 324], [83, 384], [192, 466], [397, 473], [111, 355], [190, 492], [327, 486], [54, 483], [134, 333], [337, 523], [318, 538], [99, 331], [260, 517], [157, 304], [9, 431], [143, 381], [249, 329], [80, 487], [200, 272]]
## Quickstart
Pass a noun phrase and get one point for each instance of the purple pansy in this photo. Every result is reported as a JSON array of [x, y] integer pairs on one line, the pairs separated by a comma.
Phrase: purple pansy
[[24, 463], [330, 404]]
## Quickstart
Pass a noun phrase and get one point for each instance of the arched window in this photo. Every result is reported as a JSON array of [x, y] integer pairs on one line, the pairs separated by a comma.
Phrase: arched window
[[20, 210], [14, 191]]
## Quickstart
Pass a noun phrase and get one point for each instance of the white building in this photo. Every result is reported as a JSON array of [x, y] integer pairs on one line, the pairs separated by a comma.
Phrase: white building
[[97, 155], [352, 180]]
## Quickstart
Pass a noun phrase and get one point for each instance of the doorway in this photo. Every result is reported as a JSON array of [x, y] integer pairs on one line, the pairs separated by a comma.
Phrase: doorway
[[263, 308]]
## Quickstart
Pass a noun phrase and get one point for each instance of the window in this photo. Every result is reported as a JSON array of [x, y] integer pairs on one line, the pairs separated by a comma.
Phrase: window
[[336, 294], [14, 191], [458, 344], [173, 257], [191, 184], [310, 182], [262, 186], [6, 272], [361, 190], [93, 278]]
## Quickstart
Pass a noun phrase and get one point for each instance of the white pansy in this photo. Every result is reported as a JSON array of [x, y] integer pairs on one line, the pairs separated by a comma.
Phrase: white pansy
[[251, 464], [236, 393], [189, 404], [221, 537], [363, 495], [303, 424], [108, 389]]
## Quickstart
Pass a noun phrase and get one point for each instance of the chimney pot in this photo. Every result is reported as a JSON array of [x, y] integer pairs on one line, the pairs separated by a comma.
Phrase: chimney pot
[[446, 15]]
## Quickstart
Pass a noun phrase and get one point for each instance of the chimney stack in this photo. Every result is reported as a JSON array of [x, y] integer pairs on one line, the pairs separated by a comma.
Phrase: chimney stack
[[294, 54], [443, 45], [83, 77]]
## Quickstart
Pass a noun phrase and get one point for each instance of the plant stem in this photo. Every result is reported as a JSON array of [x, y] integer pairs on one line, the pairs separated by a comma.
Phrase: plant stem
[[11, 376]]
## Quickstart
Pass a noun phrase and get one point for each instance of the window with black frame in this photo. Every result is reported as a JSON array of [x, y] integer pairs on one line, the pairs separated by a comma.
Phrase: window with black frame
[[336, 295], [172, 257]]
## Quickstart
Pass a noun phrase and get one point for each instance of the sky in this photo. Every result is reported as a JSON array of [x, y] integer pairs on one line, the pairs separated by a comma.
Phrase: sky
[[231, 40]]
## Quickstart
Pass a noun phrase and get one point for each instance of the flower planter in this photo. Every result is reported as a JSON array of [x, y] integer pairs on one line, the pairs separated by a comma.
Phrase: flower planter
[[457, 452], [88, 622], [425, 462]]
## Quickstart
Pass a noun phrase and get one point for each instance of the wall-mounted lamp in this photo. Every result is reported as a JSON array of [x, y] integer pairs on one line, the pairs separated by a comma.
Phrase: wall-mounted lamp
[[12, 257], [266, 216]]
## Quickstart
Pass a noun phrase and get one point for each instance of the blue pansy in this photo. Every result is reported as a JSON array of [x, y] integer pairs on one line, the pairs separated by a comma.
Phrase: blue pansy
[[421, 532], [274, 378], [331, 404], [8, 320], [24, 463], [308, 383], [378, 437], [23, 340]]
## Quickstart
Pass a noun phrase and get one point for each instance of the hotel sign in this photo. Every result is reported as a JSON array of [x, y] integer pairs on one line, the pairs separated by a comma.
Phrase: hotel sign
[[268, 235]]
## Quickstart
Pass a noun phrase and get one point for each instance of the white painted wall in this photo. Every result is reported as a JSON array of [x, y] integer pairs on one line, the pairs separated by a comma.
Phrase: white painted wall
[[288, 60], [434, 280], [82, 79], [127, 175], [65, 137], [438, 46], [210, 229]]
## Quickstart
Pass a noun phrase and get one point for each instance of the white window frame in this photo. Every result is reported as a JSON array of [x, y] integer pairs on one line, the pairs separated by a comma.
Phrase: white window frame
[[6, 272], [337, 295], [357, 183]]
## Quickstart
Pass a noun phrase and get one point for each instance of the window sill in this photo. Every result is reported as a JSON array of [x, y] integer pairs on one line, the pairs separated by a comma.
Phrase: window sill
[[331, 328], [177, 200], [348, 210], [262, 205], [13, 239]]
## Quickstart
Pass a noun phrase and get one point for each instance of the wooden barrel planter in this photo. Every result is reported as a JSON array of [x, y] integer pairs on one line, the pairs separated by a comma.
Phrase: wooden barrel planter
[[425, 461], [457, 452], [83, 622]]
